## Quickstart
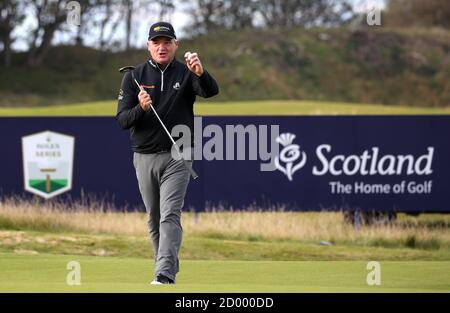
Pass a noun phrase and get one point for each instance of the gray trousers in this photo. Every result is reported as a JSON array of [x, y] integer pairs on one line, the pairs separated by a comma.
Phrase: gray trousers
[[163, 182]]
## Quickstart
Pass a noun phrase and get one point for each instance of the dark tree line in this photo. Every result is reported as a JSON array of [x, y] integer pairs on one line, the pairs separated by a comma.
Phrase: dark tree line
[[212, 15], [98, 18], [107, 20], [11, 15], [104, 19]]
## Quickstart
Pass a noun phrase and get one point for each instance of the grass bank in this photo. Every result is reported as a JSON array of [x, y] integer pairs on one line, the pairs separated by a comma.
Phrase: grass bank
[[366, 65], [205, 108]]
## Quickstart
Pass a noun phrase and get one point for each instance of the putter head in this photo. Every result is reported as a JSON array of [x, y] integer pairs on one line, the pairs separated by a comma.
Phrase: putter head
[[126, 69]]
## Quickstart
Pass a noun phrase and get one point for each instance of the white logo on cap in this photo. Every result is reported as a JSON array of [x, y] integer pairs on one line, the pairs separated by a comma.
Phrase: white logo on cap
[[161, 28]]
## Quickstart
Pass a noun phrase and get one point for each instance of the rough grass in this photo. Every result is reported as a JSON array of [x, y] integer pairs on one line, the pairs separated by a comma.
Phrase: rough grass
[[205, 108], [427, 233]]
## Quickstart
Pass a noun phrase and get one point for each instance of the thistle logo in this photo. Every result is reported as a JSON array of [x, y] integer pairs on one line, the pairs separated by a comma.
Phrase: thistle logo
[[47, 163], [289, 155]]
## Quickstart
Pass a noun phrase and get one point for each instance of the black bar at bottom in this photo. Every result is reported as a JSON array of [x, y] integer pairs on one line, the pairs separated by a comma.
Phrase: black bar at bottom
[[228, 302]]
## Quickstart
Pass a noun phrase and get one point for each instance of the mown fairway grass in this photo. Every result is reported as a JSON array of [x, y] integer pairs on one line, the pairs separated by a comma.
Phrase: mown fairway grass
[[274, 107], [114, 274]]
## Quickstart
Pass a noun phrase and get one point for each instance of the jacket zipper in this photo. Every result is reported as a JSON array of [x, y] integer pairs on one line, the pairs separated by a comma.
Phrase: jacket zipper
[[162, 73], [162, 76]]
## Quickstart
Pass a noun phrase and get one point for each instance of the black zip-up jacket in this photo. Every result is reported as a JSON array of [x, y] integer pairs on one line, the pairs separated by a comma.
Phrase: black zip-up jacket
[[173, 92]]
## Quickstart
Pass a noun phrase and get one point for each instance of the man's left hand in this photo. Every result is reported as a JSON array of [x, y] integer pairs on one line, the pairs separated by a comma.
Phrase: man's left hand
[[193, 63]]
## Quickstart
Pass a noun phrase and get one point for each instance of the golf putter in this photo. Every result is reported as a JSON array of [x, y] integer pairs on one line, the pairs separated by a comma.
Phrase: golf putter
[[126, 69]]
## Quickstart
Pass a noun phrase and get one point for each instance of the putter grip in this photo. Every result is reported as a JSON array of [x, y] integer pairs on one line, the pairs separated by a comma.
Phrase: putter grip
[[190, 169]]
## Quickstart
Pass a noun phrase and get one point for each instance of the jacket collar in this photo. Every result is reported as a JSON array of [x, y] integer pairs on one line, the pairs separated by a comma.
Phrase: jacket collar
[[156, 66]]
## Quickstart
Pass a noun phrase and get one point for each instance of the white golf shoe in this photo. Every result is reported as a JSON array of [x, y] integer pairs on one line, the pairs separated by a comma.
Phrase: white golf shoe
[[162, 280]]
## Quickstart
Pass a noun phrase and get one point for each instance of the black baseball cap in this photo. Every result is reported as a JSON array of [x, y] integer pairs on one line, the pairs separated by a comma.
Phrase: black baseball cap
[[161, 29]]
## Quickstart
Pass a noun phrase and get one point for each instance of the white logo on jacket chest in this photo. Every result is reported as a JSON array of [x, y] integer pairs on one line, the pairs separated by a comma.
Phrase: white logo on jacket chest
[[177, 86]]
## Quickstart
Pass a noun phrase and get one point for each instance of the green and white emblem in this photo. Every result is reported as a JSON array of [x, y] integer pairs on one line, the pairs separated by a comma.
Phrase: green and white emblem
[[48, 163]]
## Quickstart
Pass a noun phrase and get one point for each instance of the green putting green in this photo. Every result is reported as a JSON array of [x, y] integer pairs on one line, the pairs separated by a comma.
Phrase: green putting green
[[21, 272]]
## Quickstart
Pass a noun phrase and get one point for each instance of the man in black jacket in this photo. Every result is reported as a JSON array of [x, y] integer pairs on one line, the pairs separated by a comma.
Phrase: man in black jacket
[[171, 88]]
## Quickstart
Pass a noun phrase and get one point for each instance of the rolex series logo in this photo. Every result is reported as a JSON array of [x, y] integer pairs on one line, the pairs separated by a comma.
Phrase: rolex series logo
[[47, 163]]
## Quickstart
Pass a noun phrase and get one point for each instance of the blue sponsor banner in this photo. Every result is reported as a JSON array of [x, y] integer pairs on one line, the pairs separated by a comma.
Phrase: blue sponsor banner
[[384, 163]]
